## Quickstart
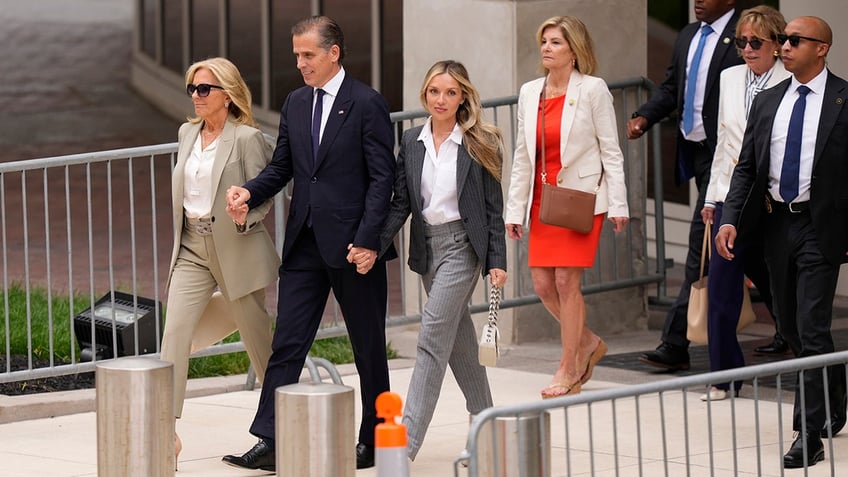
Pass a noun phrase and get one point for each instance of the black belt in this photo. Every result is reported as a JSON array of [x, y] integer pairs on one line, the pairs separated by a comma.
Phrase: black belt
[[790, 208], [698, 144]]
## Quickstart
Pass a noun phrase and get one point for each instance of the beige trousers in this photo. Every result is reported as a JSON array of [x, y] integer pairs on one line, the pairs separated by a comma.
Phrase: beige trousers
[[199, 316]]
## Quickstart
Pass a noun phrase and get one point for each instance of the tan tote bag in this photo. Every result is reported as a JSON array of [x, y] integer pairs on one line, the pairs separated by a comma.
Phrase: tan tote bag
[[696, 315]]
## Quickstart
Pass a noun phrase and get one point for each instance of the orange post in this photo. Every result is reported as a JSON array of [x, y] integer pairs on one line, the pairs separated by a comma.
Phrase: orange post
[[390, 438]]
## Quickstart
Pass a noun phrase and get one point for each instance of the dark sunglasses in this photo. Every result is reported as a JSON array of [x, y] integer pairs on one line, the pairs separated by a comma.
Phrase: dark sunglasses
[[795, 39], [202, 89], [755, 42]]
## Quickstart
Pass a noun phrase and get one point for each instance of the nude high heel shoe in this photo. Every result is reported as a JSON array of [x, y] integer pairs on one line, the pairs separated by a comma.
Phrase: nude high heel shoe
[[178, 447]]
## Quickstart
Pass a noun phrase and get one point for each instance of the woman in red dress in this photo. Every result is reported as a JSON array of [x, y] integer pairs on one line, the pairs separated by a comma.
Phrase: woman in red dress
[[581, 151]]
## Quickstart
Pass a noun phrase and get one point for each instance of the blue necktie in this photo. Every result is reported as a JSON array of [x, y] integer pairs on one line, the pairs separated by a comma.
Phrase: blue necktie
[[692, 81], [792, 155], [316, 123]]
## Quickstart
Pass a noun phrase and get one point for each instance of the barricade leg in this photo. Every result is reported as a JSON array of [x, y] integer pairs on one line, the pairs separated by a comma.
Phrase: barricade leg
[[135, 417]]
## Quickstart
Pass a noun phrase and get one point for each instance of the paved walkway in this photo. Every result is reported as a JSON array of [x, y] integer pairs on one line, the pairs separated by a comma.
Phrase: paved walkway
[[216, 424]]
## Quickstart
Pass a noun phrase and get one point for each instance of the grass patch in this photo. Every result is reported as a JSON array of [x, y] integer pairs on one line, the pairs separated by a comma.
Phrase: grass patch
[[337, 350]]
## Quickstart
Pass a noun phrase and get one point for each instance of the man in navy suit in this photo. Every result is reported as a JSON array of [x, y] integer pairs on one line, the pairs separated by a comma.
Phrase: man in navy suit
[[691, 87], [789, 185], [336, 144]]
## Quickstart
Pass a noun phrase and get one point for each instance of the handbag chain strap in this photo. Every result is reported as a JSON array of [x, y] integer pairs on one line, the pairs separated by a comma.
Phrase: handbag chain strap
[[543, 158], [494, 304]]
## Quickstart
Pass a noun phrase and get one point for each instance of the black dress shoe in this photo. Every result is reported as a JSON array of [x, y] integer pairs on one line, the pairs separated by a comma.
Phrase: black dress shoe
[[777, 346], [261, 456], [836, 426], [794, 459], [667, 356], [364, 456]]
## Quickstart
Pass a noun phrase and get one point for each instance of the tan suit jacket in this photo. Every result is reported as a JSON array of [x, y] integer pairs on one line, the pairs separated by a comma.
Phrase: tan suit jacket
[[248, 261], [589, 138]]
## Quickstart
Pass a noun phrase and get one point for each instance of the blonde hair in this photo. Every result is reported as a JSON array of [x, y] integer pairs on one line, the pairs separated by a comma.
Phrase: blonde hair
[[482, 140], [231, 80], [577, 36], [765, 21]]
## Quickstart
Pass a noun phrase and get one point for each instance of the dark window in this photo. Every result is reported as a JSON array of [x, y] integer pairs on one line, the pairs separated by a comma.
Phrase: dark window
[[354, 16], [172, 57], [245, 43], [204, 29], [284, 74], [391, 75], [148, 27]]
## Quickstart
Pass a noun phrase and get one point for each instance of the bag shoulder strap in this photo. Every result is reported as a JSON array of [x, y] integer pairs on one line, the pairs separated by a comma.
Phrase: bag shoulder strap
[[706, 251], [542, 122], [494, 304]]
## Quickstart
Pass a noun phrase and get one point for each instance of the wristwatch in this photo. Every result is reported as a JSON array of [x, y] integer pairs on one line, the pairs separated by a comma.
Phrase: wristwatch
[[240, 228], [635, 115]]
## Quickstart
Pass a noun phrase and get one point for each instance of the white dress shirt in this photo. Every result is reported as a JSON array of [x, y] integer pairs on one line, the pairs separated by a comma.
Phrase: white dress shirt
[[197, 185], [331, 90], [439, 199], [780, 130], [698, 133]]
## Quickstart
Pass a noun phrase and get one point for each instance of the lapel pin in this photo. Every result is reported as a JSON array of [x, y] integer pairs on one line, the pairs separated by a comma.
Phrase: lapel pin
[[839, 100], [341, 111], [726, 40]]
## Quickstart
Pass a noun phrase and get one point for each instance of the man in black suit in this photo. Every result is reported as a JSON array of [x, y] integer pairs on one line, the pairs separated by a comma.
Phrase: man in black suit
[[335, 142], [790, 183], [707, 47]]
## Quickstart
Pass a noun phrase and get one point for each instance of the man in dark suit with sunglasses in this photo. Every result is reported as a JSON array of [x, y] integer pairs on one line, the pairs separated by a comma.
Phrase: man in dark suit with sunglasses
[[336, 144], [790, 184], [705, 46]]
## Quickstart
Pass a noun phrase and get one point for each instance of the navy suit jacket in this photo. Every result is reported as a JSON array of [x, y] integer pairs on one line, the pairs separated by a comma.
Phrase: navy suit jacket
[[745, 201], [669, 96], [347, 191]]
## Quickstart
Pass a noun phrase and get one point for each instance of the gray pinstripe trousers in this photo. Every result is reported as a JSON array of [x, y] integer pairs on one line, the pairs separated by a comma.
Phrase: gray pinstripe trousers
[[447, 334]]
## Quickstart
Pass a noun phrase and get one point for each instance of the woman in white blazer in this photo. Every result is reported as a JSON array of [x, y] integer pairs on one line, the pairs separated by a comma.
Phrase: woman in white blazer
[[756, 41], [581, 150], [218, 148]]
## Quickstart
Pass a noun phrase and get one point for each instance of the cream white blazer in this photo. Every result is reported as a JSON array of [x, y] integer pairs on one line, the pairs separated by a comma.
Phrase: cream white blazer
[[731, 126], [589, 138]]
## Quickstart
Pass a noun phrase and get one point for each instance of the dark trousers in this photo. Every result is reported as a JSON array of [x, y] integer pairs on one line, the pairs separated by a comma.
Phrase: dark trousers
[[803, 286], [674, 330], [304, 286], [725, 282]]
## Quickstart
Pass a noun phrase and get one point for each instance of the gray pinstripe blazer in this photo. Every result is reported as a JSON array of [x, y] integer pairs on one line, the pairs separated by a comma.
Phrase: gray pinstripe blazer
[[480, 206]]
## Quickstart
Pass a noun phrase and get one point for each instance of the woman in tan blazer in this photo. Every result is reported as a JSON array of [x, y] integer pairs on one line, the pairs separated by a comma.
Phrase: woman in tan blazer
[[581, 151], [218, 148]]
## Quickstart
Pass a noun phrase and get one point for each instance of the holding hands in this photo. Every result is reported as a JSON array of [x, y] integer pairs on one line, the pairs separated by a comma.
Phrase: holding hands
[[237, 208], [363, 258]]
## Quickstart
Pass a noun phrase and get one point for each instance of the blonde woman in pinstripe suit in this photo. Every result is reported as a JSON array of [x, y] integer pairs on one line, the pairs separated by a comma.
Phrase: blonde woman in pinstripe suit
[[448, 179]]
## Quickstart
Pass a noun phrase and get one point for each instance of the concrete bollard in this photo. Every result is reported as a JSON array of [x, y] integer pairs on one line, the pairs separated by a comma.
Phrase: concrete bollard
[[518, 446], [315, 430], [135, 417]]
